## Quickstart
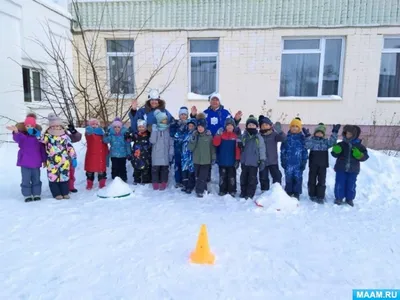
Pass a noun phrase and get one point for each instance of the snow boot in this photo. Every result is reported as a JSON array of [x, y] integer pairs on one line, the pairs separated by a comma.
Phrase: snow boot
[[199, 195], [156, 186], [89, 184], [74, 190], [102, 183], [232, 195], [338, 202], [29, 199], [188, 192], [350, 202], [221, 194], [163, 186], [59, 197], [242, 196], [313, 199], [36, 198], [178, 185], [319, 201], [183, 189], [297, 196], [66, 197]]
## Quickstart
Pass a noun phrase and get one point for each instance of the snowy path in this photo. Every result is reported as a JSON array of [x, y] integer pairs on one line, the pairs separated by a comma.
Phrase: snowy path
[[138, 248]]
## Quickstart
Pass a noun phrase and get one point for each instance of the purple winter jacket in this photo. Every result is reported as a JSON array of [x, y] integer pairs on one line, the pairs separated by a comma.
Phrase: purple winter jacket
[[31, 152]]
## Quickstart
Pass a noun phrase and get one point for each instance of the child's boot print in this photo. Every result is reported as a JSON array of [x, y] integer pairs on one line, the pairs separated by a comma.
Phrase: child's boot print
[[102, 183]]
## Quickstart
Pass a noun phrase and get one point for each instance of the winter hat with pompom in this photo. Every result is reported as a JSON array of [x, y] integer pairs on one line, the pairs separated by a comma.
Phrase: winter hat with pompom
[[160, 116], [184, 110], [320, 128], [251, 120], [192, 121], [31, 121], [264, 120], [230, 121], [296, 122], [141, 122], [201, 120], [215, 95], [54, 120], [117, 123]]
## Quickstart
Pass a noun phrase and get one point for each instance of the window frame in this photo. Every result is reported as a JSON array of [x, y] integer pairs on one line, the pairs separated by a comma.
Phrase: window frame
[[202, 54], [31, 83], [321, 51], [386, 51], [120, 54]]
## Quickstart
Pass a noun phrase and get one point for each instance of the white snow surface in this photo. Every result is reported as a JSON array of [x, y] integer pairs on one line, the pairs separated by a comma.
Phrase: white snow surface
[[138, 247], [276, 199], [116, 188]]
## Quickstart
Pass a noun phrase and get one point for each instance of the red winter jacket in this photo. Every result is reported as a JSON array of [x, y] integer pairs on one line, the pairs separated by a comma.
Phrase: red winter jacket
[[96, 154], [228, 151]]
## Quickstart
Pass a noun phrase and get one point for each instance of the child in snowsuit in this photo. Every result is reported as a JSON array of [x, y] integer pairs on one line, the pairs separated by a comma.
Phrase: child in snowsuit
[[60, 156], [228, 157], [319, 161], [96, 154], [349, 153], [253, 155], [188, 175], [177, 130], [294, 157], [203, 153], [162, 151], [75, 137], [31, 156], [141, 154], [120, 149], [272, 135]]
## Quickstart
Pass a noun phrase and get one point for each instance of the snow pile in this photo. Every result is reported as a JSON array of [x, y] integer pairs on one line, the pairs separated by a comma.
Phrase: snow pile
[[116, 189], [276, 199]]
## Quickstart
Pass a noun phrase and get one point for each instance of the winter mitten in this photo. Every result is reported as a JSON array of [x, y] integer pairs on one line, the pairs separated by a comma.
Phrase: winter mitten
[[127, 136], [74, 163], [237, 164], [98, 131], [220, 131], [306, 132], [261, 165], [71, 128], [357, 153], [278, 127], [337, 149], [336, 128], [106, 131]]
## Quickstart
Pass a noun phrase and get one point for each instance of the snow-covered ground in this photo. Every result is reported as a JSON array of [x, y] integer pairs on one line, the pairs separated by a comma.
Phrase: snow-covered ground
[[139, 247]]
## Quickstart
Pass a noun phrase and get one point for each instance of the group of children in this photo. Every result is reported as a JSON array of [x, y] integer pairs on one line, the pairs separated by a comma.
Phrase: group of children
[[193, 150]]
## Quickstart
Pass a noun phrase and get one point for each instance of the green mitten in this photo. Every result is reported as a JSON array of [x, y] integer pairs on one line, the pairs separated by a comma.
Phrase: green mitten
[[357, 153], [337, 149]]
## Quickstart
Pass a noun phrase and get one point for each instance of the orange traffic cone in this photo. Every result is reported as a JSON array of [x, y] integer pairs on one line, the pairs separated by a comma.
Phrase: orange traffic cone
[[202, 253]]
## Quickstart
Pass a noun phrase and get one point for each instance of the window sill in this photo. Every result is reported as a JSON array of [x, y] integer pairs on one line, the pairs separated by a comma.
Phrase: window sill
[[37, 104], [394, 99], [328, 98], [197, 97], [122, 96]]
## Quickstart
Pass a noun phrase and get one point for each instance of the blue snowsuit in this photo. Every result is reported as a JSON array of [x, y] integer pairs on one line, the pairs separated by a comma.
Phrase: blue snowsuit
[[177, 131], [188, 175], [294, 157]]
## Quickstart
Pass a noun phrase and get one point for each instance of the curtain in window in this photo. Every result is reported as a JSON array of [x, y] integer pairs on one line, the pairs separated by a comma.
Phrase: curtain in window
[[333, 51], [203, 75], [121, 74], [389, 78], [300, 75]]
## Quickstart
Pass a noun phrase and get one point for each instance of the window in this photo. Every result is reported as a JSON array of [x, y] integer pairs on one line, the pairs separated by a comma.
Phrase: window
[[31, 80], [203, 66], [389, 77], [312, 67], [120, 66]]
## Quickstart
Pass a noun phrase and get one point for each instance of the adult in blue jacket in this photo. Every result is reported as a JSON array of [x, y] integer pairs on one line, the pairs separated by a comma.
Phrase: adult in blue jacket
[[146, 112], [216, 114]]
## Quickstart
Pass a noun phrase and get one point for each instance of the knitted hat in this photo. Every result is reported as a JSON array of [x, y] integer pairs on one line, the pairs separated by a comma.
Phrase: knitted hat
[[159, 115], [230, 121], [153, 94], [201, 120], [192, 121], [215, 95], [54, 120], [93, 121], [264, 120], [141, 122], [296, 122], [117, 123], [320, 128], [30, 121], [251, 120], [184, 110], [33, 115]]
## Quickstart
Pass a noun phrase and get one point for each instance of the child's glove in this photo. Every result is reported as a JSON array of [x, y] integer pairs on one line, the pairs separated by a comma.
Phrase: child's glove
[[34, 132], [237, 164], [336, 128], [98, 131], [278, 127], [74, 163], [261, 165], [220, 131], [306, 132], [127, 136], [357, 154], [337, 149], [71, 128]]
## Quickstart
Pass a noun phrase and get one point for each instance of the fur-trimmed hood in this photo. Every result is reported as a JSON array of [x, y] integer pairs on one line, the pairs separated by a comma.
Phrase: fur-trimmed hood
[[148, 107], [21, 127]]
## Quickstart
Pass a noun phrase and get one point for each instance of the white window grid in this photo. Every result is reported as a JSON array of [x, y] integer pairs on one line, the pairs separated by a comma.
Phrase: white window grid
[[31, 71], [203, 54], [321, 51], [121, 54]]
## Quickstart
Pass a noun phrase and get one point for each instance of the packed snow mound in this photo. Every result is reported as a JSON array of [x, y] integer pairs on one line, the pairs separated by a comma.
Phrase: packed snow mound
[[116, 189], [276, 199]]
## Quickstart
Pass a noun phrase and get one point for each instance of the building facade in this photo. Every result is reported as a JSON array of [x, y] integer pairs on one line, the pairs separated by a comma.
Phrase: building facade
[[330, 62], [25, 29]]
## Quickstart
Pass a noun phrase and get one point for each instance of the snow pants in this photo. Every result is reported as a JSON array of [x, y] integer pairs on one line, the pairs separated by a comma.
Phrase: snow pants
[[142, 176], [159, 174], [59, 188], [316, 182], [188, 180], [118, 168], [100, 176], [248, 181], [264, 176], [294, 181], [345, 185], [71, 182], [201, 172], [227, 180], [178, 168], [31, 184]]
